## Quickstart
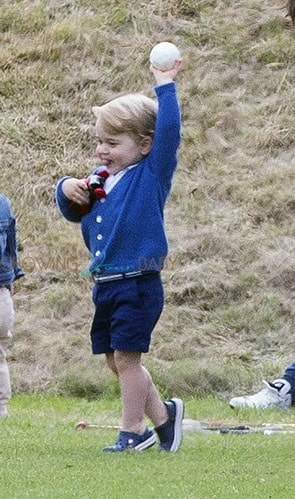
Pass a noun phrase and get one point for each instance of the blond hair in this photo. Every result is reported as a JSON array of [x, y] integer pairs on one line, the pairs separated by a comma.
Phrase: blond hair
[[132, 114]]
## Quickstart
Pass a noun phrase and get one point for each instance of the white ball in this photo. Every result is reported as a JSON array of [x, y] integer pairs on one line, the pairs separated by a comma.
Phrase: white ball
[[164, 55]]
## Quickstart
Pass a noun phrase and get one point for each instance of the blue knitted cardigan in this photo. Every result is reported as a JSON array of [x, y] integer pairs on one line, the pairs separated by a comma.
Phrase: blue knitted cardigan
[[125, 231]]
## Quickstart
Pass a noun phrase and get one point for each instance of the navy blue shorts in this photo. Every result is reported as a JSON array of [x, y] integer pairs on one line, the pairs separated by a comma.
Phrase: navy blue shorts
[[126, 314]]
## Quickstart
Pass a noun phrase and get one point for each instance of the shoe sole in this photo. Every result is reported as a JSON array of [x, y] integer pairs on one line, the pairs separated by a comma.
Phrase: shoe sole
[[179, 413]]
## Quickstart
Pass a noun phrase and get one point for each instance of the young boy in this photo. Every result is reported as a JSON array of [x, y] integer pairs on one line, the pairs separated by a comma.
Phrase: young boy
[[9, 272], [122, 226]]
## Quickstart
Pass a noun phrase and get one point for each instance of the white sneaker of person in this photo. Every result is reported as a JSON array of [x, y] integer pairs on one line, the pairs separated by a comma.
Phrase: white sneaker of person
[[275, 394]]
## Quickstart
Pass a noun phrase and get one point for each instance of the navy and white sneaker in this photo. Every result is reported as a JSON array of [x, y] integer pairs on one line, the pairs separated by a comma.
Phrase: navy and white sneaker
[[170, 433], [128, 441]]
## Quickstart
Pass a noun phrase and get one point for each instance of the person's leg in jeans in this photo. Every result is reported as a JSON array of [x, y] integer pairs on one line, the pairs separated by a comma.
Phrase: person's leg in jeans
[[289, 375], [6, 322]]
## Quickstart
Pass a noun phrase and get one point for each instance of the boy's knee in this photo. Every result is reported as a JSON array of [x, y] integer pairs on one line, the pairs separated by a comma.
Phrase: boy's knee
[[126, 360]]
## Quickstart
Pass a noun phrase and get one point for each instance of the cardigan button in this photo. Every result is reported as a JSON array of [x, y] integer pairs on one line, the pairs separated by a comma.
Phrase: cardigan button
[[102, 200], [99, 219], [97, 253], [99, 237]]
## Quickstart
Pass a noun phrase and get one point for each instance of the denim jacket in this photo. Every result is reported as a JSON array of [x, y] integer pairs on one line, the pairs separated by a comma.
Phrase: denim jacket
[[9, 270]]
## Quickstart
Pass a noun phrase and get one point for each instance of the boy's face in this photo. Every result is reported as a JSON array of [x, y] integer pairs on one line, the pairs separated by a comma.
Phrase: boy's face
[[116, 152]]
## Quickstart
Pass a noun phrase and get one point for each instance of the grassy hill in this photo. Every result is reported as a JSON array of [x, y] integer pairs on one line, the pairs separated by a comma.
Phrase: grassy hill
[[230, 277]]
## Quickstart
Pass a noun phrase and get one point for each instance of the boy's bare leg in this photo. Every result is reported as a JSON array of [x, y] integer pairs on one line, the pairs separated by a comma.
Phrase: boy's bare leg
[[155, 409], [139, 395]]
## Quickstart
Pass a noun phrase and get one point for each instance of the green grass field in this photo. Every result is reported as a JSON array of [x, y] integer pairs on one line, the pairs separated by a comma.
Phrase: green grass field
[[42, 455]]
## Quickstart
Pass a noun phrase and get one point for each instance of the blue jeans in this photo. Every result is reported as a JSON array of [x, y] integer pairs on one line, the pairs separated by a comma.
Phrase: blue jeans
[[289, 375]]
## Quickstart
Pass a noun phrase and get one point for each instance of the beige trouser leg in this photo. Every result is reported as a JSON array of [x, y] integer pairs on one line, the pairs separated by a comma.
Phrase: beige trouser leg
[[6, 323]]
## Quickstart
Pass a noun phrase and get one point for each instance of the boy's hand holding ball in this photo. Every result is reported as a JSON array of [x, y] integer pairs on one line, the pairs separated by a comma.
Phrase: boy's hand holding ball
[[164, 55], [165, 61]]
